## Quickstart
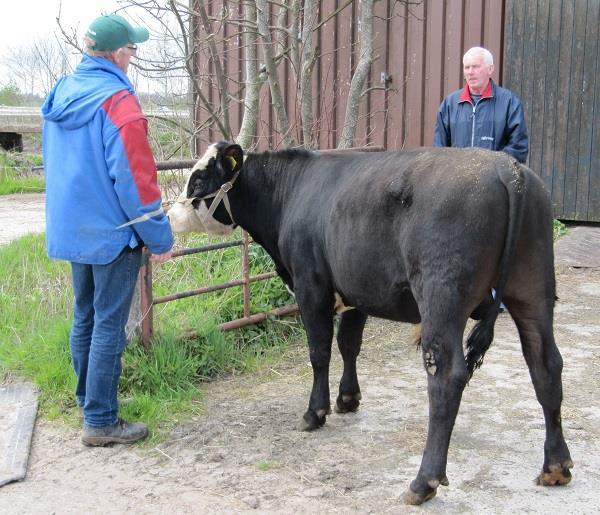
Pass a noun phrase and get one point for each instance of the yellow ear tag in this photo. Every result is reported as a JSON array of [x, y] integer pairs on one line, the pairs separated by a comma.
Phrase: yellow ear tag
[[232, 161]]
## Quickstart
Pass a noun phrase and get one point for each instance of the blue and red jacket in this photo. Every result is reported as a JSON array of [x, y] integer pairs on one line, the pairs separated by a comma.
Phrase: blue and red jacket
[[100, 171], [496, 122]]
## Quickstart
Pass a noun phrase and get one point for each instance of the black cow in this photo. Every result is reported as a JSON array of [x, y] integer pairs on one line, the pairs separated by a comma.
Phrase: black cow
[[414, 236]]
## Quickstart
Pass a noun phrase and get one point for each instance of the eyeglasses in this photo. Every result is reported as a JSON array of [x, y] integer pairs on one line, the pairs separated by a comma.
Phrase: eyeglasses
[[133, 48]]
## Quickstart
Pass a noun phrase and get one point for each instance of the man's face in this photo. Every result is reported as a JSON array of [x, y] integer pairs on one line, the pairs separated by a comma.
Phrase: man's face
[[477, 73], [123, 55]]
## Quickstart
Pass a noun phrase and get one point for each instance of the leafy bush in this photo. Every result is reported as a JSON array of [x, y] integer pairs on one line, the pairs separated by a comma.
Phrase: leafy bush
[[10, 95]]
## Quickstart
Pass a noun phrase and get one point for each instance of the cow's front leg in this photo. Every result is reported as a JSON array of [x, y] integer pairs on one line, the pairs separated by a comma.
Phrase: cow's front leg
[[446, 379], [319, 331], [349, 339]]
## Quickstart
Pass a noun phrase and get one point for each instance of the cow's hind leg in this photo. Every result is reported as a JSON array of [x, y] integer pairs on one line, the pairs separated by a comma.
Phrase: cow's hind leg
[[534, 322], [446, 378], [349, 339]]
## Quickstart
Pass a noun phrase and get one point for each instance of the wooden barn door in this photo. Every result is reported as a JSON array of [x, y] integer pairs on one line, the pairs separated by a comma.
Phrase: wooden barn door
[[551, 61]]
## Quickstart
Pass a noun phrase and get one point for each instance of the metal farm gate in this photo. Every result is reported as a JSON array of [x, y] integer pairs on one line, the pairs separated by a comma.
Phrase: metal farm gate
[[551, 60]]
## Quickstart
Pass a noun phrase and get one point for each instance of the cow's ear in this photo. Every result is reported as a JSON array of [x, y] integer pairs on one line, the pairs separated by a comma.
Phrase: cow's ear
[[232, 158]]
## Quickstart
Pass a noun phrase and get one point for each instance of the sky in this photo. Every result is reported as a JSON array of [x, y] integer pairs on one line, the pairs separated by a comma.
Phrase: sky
[[23, 20]]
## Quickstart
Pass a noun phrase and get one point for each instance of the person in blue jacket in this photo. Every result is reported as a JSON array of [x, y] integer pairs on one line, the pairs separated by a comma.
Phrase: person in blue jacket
[[482, 114], [102, 205]]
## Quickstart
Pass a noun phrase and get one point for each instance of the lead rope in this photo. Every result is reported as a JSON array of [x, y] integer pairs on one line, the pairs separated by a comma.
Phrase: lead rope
[[221, 196]]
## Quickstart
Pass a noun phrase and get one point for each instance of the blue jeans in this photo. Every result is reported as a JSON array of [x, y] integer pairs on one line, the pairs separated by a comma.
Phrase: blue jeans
[[103, 295]]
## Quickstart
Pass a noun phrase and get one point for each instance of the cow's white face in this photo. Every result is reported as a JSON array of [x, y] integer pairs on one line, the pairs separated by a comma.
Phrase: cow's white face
[[184, 217]]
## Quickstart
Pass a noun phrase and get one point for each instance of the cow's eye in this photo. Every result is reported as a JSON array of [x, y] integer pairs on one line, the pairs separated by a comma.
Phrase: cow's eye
[[201, 184]]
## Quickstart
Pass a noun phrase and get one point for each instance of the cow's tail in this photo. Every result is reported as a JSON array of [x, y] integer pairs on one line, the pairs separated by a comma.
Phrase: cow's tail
[[481, 336]]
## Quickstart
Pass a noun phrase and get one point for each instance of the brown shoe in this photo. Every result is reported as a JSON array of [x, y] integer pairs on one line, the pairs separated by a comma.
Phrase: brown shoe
[[121, 432]]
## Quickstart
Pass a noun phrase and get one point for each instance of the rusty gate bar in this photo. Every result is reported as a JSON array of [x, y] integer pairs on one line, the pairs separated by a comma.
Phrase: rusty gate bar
[[179, 164], [146, 304], [214, 287], [258, 317], [206, 248], [246, 275]]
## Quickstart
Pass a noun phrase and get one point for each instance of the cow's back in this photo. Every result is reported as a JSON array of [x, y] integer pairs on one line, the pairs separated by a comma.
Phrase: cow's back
[[439, 214]]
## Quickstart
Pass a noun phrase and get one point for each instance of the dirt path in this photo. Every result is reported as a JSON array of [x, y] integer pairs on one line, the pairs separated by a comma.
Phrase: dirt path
[[21, 214], [245, 454]]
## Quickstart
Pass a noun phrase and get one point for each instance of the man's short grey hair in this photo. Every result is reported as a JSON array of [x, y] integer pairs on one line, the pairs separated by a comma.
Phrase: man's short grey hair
[[488, 58], [89, 48]]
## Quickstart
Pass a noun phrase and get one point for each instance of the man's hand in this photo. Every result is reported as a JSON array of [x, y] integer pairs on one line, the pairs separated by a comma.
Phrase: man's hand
[[161, 258]]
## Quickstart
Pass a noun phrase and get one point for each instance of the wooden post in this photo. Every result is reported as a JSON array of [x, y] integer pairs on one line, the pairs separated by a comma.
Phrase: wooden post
[[138, 323], [146, 301], [246, 274]]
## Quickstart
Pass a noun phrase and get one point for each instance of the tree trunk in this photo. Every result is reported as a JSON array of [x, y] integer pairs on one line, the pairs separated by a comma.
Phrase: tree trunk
[[220, 76], [276, 97], [361, 73], [253, 82], [307, 65]]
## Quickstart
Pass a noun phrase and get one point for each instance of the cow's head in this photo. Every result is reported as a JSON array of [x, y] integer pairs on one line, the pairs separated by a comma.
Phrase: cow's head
[[191, 212]]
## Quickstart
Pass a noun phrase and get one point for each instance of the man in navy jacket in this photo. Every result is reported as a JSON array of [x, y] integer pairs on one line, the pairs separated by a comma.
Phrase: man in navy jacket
[[482, 114]]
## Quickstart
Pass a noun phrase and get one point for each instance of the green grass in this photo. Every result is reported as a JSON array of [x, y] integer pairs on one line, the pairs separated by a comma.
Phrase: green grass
[[266, 466], [16, 175], [560, 229], [164, 383]]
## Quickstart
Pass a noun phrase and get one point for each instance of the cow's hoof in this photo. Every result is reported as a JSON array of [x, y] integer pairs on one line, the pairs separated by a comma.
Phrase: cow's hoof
[[312, 420], [556, 475], [428, 492], [346, 403], [414, 499]]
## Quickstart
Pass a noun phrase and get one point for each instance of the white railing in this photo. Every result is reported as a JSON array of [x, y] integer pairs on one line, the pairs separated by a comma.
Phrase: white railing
[[17, 116], [28, 119], [20, 111]]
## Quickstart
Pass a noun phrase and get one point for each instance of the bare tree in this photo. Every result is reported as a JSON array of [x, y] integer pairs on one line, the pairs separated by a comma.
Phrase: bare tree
[[360, 75], [36, 66]]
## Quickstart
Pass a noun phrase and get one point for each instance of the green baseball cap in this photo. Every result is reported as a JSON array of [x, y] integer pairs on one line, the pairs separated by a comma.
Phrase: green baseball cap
[[111, 31]]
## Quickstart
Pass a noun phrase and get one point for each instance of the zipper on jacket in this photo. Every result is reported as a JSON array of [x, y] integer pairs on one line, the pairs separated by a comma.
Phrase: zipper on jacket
[[473, 124]]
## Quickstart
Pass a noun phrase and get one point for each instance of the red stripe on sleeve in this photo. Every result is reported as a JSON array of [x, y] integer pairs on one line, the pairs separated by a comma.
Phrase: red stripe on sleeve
[[125, 113]]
